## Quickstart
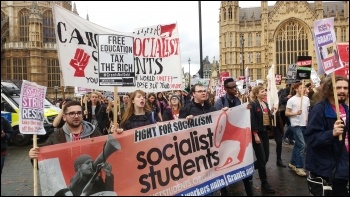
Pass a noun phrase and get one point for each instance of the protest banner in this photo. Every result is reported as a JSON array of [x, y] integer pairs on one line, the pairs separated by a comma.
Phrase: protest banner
[[116, 60], [327, 53], [31, 105], [314, 78], [272, 93], [174, 158], [291, 74], [343, 49], [325, 46], [31, 117], [224, 75], [303, 67], [156, 54]]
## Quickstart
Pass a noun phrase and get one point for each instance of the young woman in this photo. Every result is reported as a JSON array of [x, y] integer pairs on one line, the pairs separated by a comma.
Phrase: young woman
[[173, 110], [138, 113], [162, 102], [260, 125], [153, 104]]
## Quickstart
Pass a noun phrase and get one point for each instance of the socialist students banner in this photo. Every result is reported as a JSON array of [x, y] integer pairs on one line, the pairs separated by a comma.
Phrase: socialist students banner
[[156, 50], [179, 157]]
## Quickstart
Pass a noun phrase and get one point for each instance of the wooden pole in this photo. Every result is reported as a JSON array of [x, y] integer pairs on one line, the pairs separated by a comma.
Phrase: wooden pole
[[301, 95], [63, 93], [35, 167], [115, 108], [336, 102]]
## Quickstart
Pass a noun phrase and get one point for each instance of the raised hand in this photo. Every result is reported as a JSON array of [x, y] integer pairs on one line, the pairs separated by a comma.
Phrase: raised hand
[[79, 62]]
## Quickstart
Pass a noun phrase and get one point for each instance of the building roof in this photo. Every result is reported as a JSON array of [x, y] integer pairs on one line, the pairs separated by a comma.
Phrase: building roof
[[254, 13]]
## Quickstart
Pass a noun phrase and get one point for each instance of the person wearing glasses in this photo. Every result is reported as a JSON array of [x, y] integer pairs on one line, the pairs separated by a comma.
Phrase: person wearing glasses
[[74, 129], [173, 110], [230, 100]]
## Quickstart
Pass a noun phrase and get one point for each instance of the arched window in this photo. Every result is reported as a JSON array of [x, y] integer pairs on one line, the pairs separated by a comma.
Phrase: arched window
[[224, 11], [23, 16], [291, 41], [48, 27], [230, 13]]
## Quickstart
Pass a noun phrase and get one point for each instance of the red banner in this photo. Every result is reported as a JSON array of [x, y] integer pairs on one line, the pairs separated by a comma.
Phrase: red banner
[[343, 49]]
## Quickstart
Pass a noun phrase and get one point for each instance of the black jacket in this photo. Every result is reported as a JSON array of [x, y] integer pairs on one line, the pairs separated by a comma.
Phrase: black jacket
[[195, 109], [6, 127], [136, 121], [256, 117], [100, 113]]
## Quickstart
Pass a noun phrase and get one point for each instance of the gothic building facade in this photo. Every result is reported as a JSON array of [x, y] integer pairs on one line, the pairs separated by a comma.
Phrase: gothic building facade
[[275, 34], [28, 43]]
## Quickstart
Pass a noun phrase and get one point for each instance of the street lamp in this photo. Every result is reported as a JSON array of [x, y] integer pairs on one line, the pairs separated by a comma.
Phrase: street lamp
[[56, 88], [189, 73], [242, 52]]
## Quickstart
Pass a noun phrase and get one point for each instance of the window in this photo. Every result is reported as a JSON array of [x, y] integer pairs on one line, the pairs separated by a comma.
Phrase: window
[[343, 34], [48, 27], [230, 57], [258, 39], [250, 40], [250, 58], [230, 13], [258, 57], [6, 69], [291, 41], [258, 74], [224, 11], [250, 72], [53, 72], [230, 39], [20, 68], [224, 40], [23, 16]]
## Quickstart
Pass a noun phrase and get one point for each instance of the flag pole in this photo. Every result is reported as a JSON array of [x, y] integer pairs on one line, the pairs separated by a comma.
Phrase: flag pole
[[336, 103]]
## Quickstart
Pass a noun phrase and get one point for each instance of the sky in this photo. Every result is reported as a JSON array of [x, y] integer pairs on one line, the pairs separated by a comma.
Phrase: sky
[[124, 16]]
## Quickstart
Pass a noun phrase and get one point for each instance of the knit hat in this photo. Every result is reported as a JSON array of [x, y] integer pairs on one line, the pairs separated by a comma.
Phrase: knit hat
[[80, 160], [176, 96]]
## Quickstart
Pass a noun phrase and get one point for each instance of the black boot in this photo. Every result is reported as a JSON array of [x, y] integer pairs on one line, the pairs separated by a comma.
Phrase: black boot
[[280, 164], [248, 185], [266, 187]]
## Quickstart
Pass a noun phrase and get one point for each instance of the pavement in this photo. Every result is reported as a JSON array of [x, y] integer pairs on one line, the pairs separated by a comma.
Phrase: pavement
[[17, 179]]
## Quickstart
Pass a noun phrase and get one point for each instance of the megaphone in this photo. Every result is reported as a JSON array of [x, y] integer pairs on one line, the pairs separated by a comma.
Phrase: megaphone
[[110, 146]]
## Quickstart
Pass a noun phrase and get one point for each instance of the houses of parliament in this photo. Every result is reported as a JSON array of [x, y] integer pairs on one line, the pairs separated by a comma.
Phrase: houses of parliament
[[265, 35], [277, 34]]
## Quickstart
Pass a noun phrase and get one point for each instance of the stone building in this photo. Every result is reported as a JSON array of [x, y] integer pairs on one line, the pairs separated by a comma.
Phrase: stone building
[[274, 34], [28, 43]]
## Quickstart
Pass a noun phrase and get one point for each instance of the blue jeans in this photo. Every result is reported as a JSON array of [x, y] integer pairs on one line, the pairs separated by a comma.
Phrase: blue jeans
[[299, 147], [2, 162], [289, 134]]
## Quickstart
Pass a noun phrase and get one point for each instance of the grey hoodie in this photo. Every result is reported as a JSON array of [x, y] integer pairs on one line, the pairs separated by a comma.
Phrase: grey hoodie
[[88, 129]]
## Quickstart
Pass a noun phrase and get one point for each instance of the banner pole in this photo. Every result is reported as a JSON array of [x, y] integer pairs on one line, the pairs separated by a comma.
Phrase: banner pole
[[301, 94], [336, 102], [35, 167], [115, 108]]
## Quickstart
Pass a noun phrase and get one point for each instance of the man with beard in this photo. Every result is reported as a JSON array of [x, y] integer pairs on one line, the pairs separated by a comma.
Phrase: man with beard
[[326, 155], [74, 129]]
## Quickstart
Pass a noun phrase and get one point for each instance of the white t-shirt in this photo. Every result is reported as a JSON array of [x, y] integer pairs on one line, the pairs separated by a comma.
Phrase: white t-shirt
[[294, 104]]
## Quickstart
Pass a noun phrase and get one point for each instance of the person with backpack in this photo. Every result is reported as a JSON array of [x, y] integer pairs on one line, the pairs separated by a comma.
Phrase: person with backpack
[[138, 113], [6, 136], [230, 100]]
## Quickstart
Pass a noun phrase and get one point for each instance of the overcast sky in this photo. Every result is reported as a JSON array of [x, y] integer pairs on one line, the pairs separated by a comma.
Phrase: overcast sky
[[125, 16]]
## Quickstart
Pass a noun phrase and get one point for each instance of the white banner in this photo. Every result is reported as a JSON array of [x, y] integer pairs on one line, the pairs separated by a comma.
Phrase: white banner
[[156, 54], [31, 105], [272, 93]]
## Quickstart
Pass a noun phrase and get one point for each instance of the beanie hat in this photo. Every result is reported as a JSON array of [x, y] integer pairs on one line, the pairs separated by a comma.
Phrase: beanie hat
[[176, 96], [80, 160]]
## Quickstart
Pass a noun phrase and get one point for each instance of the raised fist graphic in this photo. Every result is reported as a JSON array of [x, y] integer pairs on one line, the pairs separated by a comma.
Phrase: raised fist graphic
[[79, 62]]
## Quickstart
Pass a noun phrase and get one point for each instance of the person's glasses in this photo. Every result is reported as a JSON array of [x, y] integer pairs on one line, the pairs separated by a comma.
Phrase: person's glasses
[[201, 91], [72, 114], [231, 87]]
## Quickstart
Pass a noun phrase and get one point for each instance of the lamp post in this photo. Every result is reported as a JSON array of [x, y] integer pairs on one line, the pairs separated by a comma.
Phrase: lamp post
[[56, 88], [242, 52], [189, 73]]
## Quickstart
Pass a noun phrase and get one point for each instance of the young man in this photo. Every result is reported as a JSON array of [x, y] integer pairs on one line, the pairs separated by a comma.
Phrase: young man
[[230, 100], [326, 155], [298, 121], [74, 129], [6, 136]]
